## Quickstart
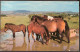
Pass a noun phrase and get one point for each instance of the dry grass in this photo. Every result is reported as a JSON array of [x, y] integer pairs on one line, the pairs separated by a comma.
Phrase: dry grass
[[73, 22], [15, 20]]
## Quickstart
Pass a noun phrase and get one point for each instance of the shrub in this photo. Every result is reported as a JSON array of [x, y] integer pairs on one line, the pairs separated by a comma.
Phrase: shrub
[[3, 16]]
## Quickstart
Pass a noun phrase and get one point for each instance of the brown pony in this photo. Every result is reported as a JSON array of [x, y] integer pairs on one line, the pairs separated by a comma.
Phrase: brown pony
[[54, 17], [15, 28], [34, 27], [53, 25]]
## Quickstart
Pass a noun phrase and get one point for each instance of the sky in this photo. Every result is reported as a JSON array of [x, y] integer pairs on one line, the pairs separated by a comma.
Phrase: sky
[[57, 6]]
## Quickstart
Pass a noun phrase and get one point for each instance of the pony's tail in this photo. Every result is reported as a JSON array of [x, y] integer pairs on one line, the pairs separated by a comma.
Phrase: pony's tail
[[67, 31], [46, 31], [66, 26]]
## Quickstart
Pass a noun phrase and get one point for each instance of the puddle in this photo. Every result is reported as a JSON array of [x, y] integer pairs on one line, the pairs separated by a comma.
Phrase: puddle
[[7, 43]]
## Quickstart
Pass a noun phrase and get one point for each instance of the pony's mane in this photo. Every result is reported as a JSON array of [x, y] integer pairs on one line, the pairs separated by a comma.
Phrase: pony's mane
[[39, 17], [9, 24], [36, 23]]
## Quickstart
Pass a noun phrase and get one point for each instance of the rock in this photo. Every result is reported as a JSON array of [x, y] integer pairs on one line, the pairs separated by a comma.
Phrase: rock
[[72, 33]]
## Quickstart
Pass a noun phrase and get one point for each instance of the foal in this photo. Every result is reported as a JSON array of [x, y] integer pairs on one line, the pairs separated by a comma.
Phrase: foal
[[15, 28], [34, 27]]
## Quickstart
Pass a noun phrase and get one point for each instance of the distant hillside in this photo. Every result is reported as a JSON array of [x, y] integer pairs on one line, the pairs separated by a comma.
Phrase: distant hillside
[[21, 11], [14, 12], [26, 12], [6, 12], [70, 12]]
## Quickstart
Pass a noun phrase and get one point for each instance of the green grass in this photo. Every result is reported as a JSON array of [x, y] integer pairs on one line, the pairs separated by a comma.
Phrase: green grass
[[73, 22]]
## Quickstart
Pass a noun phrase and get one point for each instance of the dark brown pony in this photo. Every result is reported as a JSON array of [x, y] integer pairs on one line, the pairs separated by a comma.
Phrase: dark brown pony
[[57, 17], [15, 28], [34, 27], [53, 26]]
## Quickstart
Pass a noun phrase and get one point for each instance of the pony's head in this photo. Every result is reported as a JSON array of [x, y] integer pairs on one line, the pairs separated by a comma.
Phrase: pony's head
[[6, 28], [34, 19], [45, 16]]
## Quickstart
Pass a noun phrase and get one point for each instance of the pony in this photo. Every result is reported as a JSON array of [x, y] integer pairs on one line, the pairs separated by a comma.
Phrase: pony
[[15, 28], [50, 18], [34, 27], [53, 26]]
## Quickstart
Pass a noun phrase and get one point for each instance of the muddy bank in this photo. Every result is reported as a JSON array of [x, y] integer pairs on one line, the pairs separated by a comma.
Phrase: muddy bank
[[7, 43]]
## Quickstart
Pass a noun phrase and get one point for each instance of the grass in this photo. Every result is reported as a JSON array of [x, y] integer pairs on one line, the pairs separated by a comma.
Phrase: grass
[[73, 22], [15, 20]]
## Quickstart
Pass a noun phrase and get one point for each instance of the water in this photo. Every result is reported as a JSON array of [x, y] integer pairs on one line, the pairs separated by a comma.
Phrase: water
[[7, 43]]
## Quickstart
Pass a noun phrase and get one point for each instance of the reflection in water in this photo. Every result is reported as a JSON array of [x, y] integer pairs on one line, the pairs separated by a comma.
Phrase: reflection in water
[[68, 47], [22, 44]]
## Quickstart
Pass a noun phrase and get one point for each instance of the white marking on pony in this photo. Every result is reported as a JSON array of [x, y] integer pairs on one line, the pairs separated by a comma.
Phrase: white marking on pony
[[50, 18]]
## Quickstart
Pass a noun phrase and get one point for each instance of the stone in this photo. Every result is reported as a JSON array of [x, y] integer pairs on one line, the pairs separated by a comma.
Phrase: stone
[[72, 33]]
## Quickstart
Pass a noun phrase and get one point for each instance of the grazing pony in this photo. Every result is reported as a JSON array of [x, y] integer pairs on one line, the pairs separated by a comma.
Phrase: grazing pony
[[48, 17], [34, 27], [15, 28], [57, 17], [53, 26]]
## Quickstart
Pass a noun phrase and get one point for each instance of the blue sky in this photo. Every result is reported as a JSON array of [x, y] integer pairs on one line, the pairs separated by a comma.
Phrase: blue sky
[[57, 6]]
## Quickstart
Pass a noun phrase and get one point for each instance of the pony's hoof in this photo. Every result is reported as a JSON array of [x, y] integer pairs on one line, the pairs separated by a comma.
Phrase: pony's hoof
[[46, 43], [68, 41], [42, 43], [13, 38], [29, 41], [60, 42], [34, 40], [53, 38]]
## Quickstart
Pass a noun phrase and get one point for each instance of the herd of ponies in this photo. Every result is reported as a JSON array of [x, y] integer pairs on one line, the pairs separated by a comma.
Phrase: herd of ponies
[[44, 26]]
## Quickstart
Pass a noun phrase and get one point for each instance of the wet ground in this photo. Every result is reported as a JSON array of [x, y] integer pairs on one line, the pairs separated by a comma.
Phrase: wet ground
[[21, 44]]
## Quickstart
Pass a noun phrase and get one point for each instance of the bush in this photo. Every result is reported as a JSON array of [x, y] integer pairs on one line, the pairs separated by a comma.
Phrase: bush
[[3, 16], [63, 15]]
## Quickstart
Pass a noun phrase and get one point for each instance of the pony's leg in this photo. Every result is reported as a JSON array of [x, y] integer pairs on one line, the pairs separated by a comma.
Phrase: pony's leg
[[29, 36], [57, 34], [37, 37], [33, 36], [53, 36], [47, 40], [49, 35], [52, 33], [68, 37], [42, 38], [13, 34], [61, 37], [24, 32]]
